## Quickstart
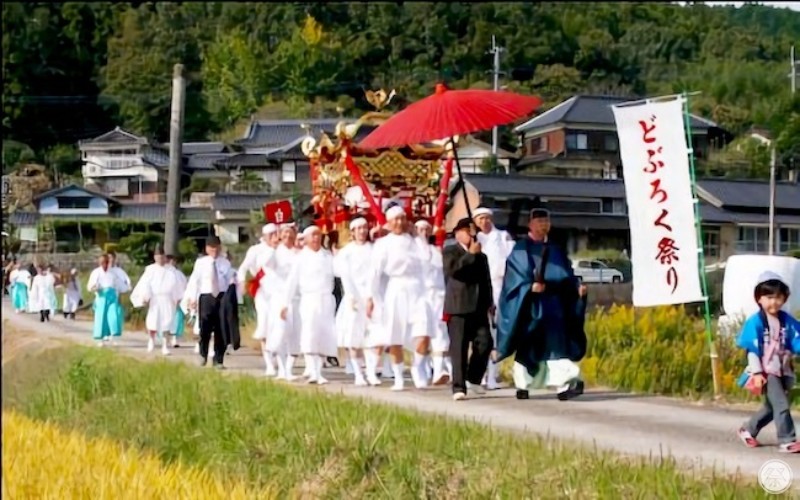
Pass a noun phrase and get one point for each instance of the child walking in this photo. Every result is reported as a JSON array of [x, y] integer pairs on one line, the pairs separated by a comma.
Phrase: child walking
[[771, 337]]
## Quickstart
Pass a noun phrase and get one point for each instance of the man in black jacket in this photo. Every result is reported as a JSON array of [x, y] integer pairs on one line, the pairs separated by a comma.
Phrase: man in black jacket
[[467, 307]]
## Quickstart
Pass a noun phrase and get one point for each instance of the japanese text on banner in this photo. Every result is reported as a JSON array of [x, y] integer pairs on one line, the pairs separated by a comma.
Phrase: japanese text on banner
[[655, 164]]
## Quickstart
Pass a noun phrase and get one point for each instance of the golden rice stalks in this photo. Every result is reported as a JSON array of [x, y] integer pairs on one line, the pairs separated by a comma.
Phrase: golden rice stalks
[[41, 461]]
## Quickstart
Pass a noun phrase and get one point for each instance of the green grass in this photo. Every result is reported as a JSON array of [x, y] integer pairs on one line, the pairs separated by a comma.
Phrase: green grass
[[309, 444]]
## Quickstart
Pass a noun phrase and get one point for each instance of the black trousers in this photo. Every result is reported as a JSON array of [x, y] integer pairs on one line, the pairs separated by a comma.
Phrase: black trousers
[[44, 315], [210, 322], [462, 330]]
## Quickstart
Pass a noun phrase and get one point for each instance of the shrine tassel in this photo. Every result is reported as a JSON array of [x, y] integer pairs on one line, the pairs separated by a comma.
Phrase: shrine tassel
[[355, 174], [438, 221]]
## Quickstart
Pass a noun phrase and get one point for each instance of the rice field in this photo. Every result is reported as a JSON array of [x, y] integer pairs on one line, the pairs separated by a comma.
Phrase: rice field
[[280, 441], [40, 460]]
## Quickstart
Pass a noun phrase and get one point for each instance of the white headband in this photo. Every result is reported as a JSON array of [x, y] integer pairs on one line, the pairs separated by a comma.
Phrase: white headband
[[481, 211], [269, 228], [357, 222], [288, 225], [422, 223], [395, 212], [310, 230]]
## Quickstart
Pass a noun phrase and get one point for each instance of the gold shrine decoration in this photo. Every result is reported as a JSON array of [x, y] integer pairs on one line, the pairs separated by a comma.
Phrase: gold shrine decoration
[[392, 167]]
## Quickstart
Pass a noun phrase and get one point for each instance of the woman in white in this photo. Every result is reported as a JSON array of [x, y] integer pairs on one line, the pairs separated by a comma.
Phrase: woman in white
[[434, 286], [260, 263], [405, 314], [160, 291], [284, 338], [352, 264], [72, 295], [312, 278], [19, 284], [43, 294]]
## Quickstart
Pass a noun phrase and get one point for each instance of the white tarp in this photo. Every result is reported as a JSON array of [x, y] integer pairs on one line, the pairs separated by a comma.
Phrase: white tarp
[[655, 163]]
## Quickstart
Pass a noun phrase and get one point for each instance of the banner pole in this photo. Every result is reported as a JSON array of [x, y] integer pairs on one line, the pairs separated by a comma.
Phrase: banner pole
[[715, 364]]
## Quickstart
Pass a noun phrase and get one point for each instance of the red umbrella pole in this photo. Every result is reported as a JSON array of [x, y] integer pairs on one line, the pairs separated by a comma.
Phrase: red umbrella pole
[[444, 189], [461, 178]]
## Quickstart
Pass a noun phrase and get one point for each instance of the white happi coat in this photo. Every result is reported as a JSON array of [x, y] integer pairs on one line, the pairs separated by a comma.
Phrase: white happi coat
[[496, 245], [72, 295], [284, 335], [352, 265], [434, 287], [43, 293], [124, 281], [398, 268], [311, 277], [160, 289]]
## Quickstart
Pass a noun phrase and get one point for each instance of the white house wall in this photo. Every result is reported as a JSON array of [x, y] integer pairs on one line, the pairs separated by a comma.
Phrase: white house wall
[[96, 166]]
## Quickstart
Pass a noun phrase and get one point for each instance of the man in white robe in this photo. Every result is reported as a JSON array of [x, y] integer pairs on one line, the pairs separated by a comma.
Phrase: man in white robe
[[106, 285], [258, 261], [43, 294], [20, 285], [311, 277], [434, 286], [496, 245], [406, 317], [284, 338], [72, 295], [352, 264], [159, 290]]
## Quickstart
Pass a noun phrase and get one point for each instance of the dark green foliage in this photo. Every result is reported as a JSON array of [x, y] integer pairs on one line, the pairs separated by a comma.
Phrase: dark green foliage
[[73, 70]]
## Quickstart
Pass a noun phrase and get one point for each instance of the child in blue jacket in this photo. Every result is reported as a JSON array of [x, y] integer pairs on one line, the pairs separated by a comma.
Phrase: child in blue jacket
[[771, 338]]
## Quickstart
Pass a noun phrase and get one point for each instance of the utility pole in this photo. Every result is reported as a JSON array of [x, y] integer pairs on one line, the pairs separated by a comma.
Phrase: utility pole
[[793, 74], [772, 191], [171, 232], [495, 51]]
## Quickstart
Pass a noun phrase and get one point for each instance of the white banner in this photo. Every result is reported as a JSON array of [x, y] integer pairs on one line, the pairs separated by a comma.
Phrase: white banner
[[655, 164]]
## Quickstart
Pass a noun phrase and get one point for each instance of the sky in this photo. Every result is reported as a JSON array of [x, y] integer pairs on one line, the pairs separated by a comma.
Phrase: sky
[[790, 5]]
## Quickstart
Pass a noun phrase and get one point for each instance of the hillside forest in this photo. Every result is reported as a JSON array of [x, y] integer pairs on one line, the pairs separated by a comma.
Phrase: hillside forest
[[74, 70]]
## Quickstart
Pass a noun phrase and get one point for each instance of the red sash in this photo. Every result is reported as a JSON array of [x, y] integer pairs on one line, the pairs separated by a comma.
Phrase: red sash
[[253, 284]]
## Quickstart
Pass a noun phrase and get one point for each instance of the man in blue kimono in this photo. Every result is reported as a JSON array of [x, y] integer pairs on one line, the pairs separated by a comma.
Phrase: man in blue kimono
[[541, 308]]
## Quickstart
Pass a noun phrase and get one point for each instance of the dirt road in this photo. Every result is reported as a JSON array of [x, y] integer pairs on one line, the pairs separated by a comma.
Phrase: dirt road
[[696, 435]]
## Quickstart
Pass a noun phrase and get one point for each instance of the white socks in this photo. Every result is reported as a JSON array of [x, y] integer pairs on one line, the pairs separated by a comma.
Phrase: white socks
[[318, 370], [371, 361], [281, 367], [420, 367], [289, 366], [164, 348], [355, 364], [491, 376], [386, 372], [268, 361], [397, 369]]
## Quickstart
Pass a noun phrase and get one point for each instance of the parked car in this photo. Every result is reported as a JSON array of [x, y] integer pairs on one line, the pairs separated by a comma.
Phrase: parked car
[[594, 271]]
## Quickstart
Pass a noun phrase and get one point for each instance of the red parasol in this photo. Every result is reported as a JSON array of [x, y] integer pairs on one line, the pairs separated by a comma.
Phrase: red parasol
[[448, 113]]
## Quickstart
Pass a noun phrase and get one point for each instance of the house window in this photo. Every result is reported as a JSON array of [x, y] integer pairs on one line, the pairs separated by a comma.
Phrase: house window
[[72, 203], [288, 172], [789, 239], [577, 142], [711, 243], [753, 239], [611, 143], [619, 207]]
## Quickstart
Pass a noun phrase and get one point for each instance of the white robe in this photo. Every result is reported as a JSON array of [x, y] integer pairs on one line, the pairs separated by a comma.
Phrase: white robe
[[398, 268], [124, 281], [43, 293], [352, 265], [496, 245], [266, 260], [434, 286], [160, 289], [311, 277], [284, 335], [72, 295]]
